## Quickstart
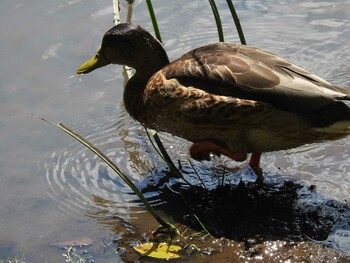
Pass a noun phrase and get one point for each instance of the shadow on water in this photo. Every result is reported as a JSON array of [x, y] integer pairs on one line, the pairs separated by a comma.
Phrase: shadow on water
[[277, 210], [255, 218], [286, 210]]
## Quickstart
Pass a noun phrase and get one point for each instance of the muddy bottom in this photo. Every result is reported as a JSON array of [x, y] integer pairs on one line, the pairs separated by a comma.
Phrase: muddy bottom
[[201, 248], [279, 221]]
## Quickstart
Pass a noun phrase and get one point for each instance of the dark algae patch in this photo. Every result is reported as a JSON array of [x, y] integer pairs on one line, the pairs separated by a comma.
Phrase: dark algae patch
[[250, 211], [274, 222]]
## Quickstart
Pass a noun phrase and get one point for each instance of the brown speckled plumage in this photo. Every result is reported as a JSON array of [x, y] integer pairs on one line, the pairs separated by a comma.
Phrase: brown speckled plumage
[[240, 98]]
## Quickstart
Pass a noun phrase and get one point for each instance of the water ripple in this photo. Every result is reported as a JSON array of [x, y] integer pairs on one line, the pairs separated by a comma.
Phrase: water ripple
[[73, 177]]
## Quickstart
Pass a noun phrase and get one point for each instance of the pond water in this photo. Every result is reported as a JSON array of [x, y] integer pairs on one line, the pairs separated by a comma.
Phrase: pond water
[[54, 190]]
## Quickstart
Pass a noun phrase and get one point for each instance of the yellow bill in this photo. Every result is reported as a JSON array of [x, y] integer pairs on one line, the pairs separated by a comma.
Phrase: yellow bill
[[95, 62]]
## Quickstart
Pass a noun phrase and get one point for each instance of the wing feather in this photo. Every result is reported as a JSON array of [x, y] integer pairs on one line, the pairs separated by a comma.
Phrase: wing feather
[[249, 73]]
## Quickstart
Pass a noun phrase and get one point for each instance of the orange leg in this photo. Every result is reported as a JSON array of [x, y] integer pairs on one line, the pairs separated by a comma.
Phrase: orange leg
[[254, 163], [201, 151]]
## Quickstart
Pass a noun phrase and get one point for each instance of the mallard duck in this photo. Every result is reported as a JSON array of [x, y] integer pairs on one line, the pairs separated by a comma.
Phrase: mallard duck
[[225, 98]]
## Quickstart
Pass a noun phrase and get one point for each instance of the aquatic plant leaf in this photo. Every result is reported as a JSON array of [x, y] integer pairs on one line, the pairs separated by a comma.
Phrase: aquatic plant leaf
[[158, 250]]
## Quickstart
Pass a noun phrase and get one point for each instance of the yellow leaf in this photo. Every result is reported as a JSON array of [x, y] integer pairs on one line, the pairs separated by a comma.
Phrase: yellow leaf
[[161, 250]]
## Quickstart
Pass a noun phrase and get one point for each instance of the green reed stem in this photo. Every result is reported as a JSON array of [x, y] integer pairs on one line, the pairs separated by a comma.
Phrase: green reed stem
[[156, 138], [197, 174], [127, 74], [115, 168], [217, 20], [237, 22], [161, 152], [202, 225], [153, 19]]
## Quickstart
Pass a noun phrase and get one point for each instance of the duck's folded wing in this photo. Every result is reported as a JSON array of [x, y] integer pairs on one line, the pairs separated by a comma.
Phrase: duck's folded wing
[[250, 73]]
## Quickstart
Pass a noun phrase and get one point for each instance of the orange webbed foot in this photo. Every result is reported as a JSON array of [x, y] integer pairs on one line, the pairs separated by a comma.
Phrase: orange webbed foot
[[254, 163], [201, 151]]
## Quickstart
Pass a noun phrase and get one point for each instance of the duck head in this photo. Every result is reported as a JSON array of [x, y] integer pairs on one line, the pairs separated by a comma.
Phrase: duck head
[[127, 44]]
